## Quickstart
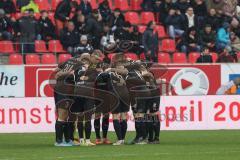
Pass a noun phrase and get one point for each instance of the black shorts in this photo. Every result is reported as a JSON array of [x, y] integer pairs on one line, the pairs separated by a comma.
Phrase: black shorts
[[81, 105], [141, 106], [61, 98], [121, 107], [153, 104]]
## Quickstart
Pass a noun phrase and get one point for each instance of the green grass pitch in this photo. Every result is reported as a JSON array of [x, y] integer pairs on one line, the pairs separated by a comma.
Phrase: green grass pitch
[[175, 145]]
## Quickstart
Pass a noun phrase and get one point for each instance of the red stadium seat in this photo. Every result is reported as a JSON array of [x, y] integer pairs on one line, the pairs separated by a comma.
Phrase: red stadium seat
[[54, 4], [132, 17], [32, 59], [168, 45], [179, 58], [94, 4], [6, 47], [43, 4], [214, 56], [49, 59], [141, 29], [136, 5], [164, 58], [132, 56], [142, 56], [64, 57], [193, 56], [122, 5], [146, 17], [161, 31], [55, 46], [15, 59], [40, 46]]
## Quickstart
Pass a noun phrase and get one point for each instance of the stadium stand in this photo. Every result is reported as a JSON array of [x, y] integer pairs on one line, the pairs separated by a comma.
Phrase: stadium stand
[[134, 12]]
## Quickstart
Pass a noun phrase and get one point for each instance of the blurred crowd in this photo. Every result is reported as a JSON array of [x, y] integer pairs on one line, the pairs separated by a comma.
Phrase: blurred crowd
[[195, 25]]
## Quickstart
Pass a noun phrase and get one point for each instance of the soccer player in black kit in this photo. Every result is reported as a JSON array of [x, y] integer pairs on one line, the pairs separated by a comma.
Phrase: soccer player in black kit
[[152, 116], [144, 99], [117, 74], [87, 79], [63, 90], [102, 84]]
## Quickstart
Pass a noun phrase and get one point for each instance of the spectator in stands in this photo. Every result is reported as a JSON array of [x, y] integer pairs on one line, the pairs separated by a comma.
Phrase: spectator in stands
[[46, 27], [62, 13], [77, 13], [212, 19], [31, 14], [8, 6], [108, 43], [191, 41], [182, 5], [116, 19], [235, 42], [21, 3], [208, 37], [136, 38], [6, 26], [69, 37], [79, 22], [27, 30], [174, 22], [105, 10], [222, 18], [225, 57], [200, 10], [163, 9], [123, 37], [94, 28], [83, 47], [123, 33], [85, 7], [150, 42], [205, 56], [190, 19], [223, 37], [148, 6], [31, 6]]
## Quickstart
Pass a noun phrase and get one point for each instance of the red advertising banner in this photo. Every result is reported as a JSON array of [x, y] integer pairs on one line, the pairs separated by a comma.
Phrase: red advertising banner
[[188, 79], [173, 80], [20, 115], [37, 81]]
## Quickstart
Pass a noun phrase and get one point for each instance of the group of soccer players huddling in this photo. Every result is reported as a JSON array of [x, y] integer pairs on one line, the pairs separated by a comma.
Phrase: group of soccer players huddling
[[88, 89]]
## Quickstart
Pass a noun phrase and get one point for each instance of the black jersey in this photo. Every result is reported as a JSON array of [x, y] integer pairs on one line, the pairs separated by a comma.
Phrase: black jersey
[[90, 73], [67, 67], [134, 77]]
